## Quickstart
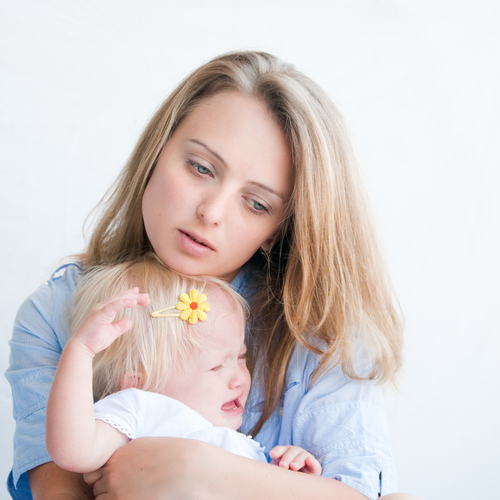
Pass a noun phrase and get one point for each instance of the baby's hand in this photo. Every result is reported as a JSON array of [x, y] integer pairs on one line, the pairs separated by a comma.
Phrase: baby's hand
[[295, 458], [98, 330]]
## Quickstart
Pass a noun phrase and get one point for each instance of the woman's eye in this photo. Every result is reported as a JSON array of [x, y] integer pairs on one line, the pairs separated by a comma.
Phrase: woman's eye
[[216, 368], [199, 168], [258, 207]]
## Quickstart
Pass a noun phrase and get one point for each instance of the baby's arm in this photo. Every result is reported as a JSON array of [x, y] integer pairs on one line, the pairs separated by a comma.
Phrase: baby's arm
[[296, 459], [74, 439]]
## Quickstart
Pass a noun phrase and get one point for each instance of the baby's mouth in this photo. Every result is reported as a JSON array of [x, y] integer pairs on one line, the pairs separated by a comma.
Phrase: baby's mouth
[[231, 405]]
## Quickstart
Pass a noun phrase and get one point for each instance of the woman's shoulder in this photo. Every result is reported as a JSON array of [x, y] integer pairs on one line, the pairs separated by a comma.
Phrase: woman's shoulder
[[48, 308], [55, 291]]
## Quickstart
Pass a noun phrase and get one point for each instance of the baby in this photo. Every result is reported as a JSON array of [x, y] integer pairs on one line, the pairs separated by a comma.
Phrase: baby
[[174, 367]]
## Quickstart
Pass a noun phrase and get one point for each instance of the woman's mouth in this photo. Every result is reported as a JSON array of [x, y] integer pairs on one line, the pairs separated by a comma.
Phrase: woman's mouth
[[194, 245], [197, 241]]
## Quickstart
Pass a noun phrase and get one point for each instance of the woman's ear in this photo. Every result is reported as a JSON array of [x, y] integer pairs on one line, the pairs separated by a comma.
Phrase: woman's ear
[[269, 243], [131, 380]]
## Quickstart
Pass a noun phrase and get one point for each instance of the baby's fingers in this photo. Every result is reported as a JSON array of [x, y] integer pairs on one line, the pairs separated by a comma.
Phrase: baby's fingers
[[118, 304], [122, 326], [298, 461], [131, 294], [107, 310], [277, 452], [312, 466], [285, 455], [98, 331]]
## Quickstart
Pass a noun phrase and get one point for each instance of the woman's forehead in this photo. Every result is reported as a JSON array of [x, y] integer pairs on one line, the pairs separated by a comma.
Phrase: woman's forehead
[[239, 131]]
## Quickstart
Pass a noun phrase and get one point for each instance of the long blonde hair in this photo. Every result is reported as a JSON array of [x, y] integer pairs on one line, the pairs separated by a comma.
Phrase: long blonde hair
[[153, 347], [324, 283]]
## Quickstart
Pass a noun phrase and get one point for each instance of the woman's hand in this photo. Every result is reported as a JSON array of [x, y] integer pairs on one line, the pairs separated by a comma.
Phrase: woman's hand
[[50, 482], [150, 468], [165, 468]]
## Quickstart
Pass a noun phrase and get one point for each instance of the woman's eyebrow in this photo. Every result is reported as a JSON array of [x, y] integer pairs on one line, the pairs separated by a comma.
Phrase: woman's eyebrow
[[270, 190], [211, 151], [219, 157]]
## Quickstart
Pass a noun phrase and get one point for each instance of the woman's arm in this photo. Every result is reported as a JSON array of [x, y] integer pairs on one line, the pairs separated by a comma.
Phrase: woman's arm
[[163, 468], [50, 482], [39, 334]]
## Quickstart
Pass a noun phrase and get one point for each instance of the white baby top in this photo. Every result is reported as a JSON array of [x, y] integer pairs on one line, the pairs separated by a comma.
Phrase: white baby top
[[138, 413]]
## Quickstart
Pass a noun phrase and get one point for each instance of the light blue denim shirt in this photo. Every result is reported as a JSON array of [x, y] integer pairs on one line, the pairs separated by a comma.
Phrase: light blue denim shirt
[[340, 421]]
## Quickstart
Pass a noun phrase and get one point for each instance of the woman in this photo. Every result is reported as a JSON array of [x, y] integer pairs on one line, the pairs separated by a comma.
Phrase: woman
[[247, 173]]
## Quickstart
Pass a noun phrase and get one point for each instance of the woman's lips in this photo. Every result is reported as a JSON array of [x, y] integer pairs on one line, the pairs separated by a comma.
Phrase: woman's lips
[[193, 245]]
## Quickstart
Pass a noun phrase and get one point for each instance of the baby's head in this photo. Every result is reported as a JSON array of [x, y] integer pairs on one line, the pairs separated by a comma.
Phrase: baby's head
[[202, 365]]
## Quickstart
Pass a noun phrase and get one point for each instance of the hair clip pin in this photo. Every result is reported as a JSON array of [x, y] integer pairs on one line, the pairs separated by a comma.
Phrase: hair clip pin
[[192, 307]]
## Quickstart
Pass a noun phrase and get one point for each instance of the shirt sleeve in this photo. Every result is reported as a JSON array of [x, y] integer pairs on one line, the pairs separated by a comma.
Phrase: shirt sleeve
[[138, 413], [342, 422], [41, 329]]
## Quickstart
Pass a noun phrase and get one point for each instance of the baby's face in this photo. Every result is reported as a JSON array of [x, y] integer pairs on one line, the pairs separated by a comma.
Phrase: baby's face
[[215, 381]]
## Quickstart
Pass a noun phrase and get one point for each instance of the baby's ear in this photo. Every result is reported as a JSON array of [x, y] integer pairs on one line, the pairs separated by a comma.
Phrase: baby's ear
[[131, 380]]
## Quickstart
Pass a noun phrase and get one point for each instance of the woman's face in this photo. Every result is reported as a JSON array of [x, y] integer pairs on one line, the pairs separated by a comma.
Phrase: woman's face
[[219, 188]]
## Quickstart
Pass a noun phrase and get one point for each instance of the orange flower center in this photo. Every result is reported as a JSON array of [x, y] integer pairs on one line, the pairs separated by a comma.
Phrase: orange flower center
[[194, 305]]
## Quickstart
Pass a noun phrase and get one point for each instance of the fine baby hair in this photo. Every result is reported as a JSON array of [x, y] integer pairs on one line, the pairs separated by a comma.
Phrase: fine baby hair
[[153, 347]]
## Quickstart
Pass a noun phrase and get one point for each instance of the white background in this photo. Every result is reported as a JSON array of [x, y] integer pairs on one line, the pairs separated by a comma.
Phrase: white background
[[419, 82]]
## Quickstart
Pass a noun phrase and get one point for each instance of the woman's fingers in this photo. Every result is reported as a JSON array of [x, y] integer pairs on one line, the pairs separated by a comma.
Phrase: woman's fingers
[[91, 477], [96, 481]]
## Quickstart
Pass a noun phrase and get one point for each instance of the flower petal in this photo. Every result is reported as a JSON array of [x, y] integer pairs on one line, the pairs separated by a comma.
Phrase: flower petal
[[185, 314], [185, 298], [202, 315], [205, 307], [202, 298], [180, 306], [193, 318], [194, 295]]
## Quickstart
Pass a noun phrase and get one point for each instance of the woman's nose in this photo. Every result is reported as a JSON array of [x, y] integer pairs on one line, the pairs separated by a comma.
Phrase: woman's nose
[[212, 209]]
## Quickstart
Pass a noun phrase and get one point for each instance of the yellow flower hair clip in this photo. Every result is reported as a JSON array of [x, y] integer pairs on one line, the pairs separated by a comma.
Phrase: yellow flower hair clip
[[193, 307]]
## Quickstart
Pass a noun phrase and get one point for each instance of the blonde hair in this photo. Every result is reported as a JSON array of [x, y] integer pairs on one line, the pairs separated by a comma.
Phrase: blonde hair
[[324, 283], [154, 346]]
